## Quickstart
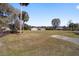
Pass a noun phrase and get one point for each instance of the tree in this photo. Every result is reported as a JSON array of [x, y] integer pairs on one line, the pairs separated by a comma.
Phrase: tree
[[64, 28], [76, 26], [12, 13], [27, 27], [73, 26], [17, 20], [55, 22], [5, 11], [22, 4], [8, 15], [25, 16], [13, 23]]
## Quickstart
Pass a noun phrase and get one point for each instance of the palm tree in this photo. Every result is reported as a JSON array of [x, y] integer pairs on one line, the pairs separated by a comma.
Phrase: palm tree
[[22, 4]]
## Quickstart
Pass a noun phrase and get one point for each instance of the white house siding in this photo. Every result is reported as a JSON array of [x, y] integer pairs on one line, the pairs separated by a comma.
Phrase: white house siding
[[34, 29]]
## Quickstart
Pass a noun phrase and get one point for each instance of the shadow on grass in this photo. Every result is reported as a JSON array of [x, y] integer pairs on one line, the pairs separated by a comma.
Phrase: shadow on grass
[[6, 33]]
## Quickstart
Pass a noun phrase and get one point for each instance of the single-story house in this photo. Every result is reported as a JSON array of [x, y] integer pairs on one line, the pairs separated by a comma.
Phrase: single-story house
[[60, 28], [41, 29], [34, 29]]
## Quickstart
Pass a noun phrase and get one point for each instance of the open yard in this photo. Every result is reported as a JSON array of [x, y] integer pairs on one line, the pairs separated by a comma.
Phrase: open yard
[[38, 43]]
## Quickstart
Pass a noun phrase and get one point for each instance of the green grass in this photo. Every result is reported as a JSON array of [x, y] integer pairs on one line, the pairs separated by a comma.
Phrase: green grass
[[38, 43], [65, 33]]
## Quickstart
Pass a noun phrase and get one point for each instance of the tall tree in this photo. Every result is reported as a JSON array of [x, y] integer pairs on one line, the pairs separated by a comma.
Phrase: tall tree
[[5, 9], [22, 4], [73, 26], [10, 11], [55, 22]]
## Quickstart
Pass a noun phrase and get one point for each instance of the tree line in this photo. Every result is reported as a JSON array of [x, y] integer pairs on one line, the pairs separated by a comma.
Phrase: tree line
[[71, 26], [56, 26]]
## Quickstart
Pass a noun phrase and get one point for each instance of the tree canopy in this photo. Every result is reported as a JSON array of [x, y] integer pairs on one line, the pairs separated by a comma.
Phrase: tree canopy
[[24, 4], [25, 16], [55, 22]]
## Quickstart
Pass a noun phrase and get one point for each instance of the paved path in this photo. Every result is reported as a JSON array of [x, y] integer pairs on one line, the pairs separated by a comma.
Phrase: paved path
[[73, 40]]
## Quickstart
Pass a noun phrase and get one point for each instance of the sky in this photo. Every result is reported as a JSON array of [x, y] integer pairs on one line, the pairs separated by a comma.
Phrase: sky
[[41, 14]]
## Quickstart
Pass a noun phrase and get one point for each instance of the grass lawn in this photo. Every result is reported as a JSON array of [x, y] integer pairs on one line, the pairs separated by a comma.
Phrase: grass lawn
[[38, 43]]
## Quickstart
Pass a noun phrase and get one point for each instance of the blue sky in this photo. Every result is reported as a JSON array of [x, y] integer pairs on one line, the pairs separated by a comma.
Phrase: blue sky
[[41, 14]]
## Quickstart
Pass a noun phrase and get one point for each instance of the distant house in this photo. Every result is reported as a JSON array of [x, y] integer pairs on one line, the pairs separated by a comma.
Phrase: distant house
[[34, 29], [42, 29], [60, 28]]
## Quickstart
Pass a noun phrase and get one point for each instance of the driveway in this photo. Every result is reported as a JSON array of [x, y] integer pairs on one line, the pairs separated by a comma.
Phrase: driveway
[[73, 40]]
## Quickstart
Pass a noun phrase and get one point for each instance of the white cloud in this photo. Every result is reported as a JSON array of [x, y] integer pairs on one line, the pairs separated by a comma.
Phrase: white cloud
[[77, 7]]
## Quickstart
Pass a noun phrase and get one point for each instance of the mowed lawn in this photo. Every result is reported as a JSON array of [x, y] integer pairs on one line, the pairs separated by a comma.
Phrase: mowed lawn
[[38, 43]]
